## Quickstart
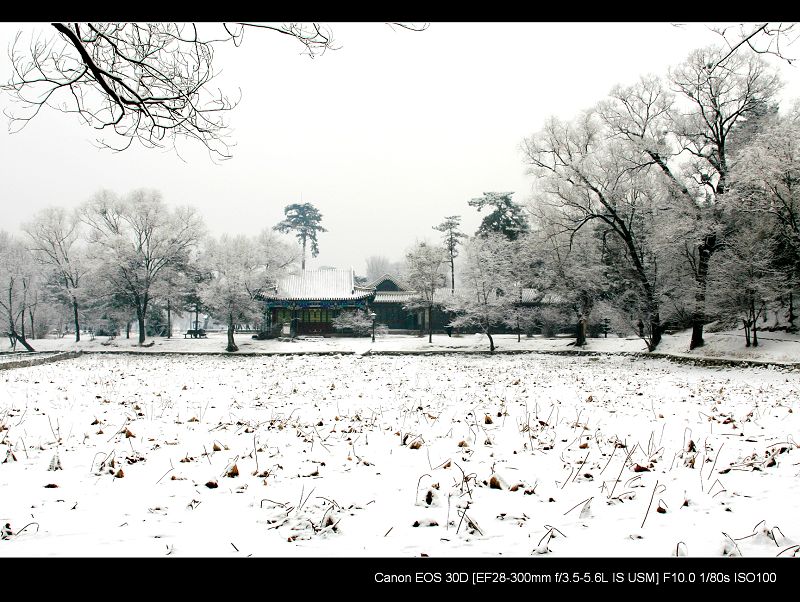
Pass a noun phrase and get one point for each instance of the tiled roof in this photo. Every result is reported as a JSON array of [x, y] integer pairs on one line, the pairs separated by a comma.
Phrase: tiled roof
[[324, 285], [380, 279], [394, 296]]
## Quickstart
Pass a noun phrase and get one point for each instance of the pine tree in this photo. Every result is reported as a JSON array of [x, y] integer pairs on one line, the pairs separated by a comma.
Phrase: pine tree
[[451, 236], [507, 218], [305, 220]]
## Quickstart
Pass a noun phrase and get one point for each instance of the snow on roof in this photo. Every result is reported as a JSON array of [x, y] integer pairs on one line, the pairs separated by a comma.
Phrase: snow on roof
[[328, 284], [394, 296], [380, 279]]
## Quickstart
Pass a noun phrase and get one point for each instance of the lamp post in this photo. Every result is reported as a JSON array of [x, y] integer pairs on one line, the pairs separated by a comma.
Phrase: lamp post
[[373, 315]]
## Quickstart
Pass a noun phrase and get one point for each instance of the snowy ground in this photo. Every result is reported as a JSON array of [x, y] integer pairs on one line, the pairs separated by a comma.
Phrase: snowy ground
[[774, 346], [397, 456], [216, 342]]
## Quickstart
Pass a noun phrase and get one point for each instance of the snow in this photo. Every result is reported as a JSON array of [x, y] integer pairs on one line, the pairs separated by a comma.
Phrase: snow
[[216, 341], [342, 455], [776, 347]]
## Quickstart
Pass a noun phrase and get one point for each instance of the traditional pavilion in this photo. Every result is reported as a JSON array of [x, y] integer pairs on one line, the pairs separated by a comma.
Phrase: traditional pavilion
[[390, 304], [307, 302]]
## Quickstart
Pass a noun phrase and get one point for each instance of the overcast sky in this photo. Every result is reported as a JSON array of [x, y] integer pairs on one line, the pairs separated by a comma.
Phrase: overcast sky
[[386, 135]]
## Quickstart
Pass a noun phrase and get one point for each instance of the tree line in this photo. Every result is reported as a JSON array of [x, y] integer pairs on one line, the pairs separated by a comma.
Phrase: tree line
[[122, 260], [672, 203]]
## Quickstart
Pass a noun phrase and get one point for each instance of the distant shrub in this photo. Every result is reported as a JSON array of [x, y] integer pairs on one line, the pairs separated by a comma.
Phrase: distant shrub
[[357, 322]]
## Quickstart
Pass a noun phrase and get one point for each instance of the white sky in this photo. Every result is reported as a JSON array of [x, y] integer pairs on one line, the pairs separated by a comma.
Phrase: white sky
[[386, 136]]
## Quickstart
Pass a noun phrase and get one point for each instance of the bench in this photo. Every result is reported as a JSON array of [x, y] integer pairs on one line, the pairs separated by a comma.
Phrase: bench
[[200, 333]]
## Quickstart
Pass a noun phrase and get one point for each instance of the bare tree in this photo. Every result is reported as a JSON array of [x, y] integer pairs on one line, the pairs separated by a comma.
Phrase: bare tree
[[135, 240], [54, 235], [145, 82], [378, 265], [688, 138], [585, 177], [773, 39], [16, 280]]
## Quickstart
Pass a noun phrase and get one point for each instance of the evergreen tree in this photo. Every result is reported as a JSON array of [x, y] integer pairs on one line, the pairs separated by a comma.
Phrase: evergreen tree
[[451, 236], [303, 219], [507, 218]]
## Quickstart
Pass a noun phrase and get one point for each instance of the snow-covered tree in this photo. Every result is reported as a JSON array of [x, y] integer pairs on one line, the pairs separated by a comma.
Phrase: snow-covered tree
[[424, 272], [378, 265], [571, 270], [745, 279], [241, 267], [485, 297], [687, 136], [357, 321], [584, 177], [55, 241], [135, 240], [170, 292], [17, 282], [767, 189]]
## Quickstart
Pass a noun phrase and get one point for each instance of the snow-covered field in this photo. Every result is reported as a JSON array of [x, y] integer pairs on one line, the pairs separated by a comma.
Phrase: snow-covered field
[[354, 455], [216, 342], [776, 347]]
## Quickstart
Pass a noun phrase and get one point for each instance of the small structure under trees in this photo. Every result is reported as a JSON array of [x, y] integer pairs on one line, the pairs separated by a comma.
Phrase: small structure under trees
[[308, 302]]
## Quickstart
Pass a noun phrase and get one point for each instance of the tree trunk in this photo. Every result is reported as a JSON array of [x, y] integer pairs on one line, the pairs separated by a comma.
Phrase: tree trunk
[[303, 264], [705, 250], [430, 324], [491, 340], [452, 275], [30, 315], [22, 324], [140, 318], [580, 338], [128, 329], [754, 316], [169, 320], [746, 332], [22, 340], [791, 316], [655, 332], [231, 343], [77, 323]]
